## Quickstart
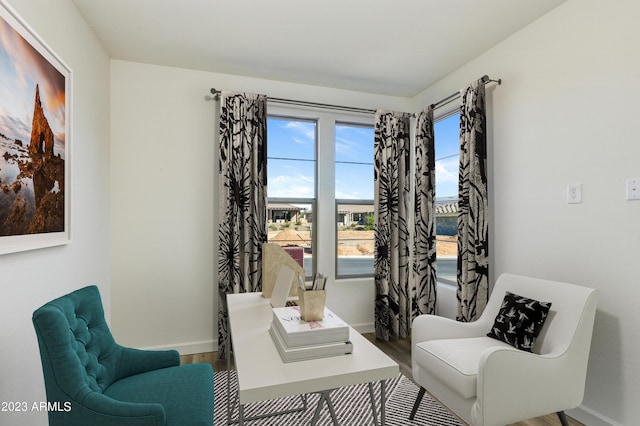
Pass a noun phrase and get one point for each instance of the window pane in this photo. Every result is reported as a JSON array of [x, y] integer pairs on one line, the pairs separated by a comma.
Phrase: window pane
[[296, 138], [354, 162], [355, 239], [291, 153], [354, 181], [290, 226], [354, 142], [447, 145], [290, 178]]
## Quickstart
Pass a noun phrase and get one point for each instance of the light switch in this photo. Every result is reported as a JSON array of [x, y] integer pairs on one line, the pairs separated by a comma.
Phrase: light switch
[[574, 193], [633, 189]]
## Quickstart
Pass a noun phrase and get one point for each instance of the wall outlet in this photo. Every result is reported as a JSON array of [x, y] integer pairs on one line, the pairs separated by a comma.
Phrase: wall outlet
[[633, 189], [574, 193]]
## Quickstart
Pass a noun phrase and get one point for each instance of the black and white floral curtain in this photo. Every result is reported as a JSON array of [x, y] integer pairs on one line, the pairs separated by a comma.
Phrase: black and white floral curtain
[[392, 201], [424, 244], [242, 191], [473, 217]]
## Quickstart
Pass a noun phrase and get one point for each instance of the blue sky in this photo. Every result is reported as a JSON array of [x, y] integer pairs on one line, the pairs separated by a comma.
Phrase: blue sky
[[291, 152], [447, 141], [290, 146], [354, 162]]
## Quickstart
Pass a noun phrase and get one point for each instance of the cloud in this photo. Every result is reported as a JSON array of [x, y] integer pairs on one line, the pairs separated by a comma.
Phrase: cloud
[[447, 170], [14, 128], [347, 148], [291, 186], [301, 141], [354, 143], [306, 129]]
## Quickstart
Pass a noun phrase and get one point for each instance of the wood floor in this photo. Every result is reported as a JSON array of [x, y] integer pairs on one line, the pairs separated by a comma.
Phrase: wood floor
[[400, 351]]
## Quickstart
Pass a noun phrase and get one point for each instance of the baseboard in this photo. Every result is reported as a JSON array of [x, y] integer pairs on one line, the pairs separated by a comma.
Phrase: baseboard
[[587, 416], [364, 328], [188, 348]]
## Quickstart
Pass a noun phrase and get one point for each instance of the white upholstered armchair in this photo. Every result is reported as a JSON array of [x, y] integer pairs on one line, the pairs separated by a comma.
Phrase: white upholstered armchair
[[488, 382]]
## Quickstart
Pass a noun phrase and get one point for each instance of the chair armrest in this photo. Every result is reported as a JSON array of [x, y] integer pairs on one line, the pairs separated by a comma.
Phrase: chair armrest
[[102, 410], [433, 327], [514, 384], [135, 361]]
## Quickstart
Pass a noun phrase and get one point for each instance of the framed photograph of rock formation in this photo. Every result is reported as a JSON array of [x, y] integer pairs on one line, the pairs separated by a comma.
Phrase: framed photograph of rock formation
[[35, 123]]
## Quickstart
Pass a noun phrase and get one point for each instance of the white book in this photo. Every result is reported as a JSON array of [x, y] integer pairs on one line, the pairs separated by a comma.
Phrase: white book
[[297, 332], [302, 353]]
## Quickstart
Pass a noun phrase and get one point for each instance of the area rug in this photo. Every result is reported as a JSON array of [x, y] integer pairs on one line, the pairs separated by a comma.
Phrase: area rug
[[352, 406]]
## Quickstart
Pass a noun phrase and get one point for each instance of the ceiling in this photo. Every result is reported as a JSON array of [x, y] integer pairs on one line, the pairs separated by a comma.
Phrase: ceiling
[[394, 48]]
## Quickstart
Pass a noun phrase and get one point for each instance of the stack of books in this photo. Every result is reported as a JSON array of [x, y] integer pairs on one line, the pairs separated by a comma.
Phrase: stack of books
[[298, 340]]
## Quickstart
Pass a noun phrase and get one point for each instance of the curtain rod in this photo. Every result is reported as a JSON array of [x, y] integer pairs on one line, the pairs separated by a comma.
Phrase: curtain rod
[[453, 96], [438, 104], [215, 93]]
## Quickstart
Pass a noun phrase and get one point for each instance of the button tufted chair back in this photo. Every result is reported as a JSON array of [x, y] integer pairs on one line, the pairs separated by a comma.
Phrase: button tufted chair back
[[78, 352], [92, 380]]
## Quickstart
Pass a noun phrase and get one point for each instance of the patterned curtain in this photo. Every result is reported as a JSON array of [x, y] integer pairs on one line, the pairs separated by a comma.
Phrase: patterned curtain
[[424, 244], [473, 217], [391, 199], [243, 201]]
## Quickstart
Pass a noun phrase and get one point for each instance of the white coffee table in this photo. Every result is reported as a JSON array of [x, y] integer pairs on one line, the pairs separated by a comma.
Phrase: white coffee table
[[262, 375]]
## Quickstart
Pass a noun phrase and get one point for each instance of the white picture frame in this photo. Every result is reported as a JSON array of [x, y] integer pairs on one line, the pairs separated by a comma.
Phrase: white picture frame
[[35, 153]]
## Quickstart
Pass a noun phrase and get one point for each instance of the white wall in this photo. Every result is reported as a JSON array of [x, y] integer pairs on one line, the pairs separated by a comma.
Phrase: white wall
[[164, 203], [567, 113], [29, 279]]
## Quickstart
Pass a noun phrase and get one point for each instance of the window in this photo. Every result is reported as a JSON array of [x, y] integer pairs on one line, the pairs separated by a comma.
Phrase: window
[[320, 173], [354, 199], [291, 185], [447, 146]]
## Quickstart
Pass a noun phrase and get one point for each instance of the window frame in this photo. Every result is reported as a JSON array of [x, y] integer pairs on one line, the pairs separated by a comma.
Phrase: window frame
[[445, 114], [323, 240], [354, 201], [293, 200]]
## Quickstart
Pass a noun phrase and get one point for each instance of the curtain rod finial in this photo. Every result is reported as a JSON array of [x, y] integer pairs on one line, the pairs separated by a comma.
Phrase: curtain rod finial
[[486, 79]]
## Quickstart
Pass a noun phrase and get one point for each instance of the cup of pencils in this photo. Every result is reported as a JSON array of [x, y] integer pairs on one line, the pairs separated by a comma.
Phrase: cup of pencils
[[312, 299]]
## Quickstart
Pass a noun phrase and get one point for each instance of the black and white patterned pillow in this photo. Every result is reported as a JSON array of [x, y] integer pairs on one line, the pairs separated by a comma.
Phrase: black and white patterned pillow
[[519, 321]]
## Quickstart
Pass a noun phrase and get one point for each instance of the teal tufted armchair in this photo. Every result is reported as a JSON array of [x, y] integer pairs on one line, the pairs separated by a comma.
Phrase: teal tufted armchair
[[91, 380]]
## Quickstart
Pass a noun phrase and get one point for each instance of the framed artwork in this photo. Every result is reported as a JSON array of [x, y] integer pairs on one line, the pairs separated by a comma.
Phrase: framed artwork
[[35, 123]]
